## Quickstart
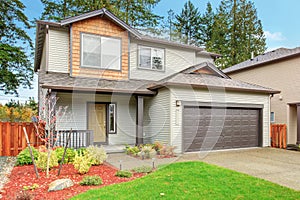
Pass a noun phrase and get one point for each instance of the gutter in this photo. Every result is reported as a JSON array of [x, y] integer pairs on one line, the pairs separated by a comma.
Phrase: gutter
[[100, 90]]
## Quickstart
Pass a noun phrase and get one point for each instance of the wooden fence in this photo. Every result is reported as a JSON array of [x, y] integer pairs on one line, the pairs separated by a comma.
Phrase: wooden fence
[[12, 138], [278, 135]]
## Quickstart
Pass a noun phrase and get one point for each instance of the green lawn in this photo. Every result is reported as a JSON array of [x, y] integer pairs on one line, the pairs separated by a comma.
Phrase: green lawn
[[193, 180]]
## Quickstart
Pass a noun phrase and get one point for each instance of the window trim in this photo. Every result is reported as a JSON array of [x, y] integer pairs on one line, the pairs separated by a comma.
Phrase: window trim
[[272, 121], [99, 36], [115, 118], [151, 69]]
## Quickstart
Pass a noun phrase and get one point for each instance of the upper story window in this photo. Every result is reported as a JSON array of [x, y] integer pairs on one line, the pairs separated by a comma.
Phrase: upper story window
[[100, 52], [151, 58]]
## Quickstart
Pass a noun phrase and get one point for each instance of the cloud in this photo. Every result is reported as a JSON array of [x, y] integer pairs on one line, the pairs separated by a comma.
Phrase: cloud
[[276, 36]]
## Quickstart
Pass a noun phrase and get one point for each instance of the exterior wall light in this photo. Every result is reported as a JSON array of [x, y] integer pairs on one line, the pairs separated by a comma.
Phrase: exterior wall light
[[178, 103]]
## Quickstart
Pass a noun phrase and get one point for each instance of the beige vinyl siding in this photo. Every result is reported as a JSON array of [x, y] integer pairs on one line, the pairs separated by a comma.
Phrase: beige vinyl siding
[[283, 76], [157, 118], [176, 59], [202, 95], [58, 51], [76, 117]]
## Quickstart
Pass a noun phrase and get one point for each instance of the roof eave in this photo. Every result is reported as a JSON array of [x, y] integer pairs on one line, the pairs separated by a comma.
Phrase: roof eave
[[212, 54], [158, 86], [170, 43], [100, 90]]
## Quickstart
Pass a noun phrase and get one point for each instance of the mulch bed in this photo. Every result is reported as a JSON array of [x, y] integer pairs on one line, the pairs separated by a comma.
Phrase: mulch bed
[[25, 176]]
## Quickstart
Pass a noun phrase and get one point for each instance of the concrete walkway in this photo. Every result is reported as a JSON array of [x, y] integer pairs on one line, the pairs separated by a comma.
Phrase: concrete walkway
[[275, 165]]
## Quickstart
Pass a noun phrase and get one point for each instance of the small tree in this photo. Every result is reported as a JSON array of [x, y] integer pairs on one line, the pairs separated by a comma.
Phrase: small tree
[[45, 123]]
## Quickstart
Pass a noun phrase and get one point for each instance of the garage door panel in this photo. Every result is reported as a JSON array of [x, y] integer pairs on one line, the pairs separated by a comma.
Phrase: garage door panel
[[206, 128]]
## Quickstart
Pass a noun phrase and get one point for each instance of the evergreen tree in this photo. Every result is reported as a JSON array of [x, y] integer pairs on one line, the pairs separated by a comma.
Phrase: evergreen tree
[[58, 9], [237, 32], [170, 25], [206, 25], [15, 66], [136, 13], [187, 24]]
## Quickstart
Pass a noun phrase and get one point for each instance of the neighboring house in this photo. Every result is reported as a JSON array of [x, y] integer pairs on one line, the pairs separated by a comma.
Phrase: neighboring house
[[131, 89], [279, 69]]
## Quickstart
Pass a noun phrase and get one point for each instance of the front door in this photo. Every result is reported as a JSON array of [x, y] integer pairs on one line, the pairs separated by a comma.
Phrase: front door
[[97, 121]]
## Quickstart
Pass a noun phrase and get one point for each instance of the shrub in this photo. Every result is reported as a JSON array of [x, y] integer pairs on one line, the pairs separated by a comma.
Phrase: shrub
[[96, 154], [157, 146], [167, 150], [69, 157], [91, 180], [132, 150], [125, 174], [147, 151], [143, 169], [41, 162], [81, 151], [24, 157], [31, 187], [82, 163]]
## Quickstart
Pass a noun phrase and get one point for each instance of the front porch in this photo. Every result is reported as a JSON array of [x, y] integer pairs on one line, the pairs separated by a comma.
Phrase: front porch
[[100, 119]]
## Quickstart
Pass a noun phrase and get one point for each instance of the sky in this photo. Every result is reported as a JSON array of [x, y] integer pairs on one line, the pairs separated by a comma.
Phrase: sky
[[280, 20]]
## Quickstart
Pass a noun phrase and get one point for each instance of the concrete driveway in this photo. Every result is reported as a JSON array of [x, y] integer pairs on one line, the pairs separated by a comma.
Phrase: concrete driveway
[[275, 165]]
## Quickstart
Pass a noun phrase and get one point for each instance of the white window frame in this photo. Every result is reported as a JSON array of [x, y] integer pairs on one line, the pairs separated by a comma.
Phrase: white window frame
[[114, 131], [151, 67], [101, 55], [272, 113]]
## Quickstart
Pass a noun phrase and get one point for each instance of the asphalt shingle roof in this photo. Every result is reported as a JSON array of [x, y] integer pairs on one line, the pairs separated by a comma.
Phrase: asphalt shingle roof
[[265, 58], [63, 81], [211, 82]]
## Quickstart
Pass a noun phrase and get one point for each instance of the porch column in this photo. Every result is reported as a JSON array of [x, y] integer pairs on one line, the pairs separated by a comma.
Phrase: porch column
[[52, 113], [139, 119], [298, 123]]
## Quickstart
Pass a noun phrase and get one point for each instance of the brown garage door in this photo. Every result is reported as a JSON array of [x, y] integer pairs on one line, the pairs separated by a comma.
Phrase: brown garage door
[[206, 128]]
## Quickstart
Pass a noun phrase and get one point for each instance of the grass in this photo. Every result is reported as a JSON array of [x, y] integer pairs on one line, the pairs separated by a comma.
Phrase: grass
[[193, 180]]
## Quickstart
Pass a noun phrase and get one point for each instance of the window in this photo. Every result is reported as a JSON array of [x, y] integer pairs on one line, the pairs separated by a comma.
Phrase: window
[[100, 52], [112, 118], [272, 117], [151, 58]]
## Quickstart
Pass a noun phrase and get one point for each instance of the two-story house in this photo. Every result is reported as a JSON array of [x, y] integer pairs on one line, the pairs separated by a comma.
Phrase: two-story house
[[129, 88]]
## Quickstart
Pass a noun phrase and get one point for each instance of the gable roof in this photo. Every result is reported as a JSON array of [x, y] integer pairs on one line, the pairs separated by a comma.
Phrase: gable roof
[[219, 81], [263, 59], [102, 11], [209, 65]]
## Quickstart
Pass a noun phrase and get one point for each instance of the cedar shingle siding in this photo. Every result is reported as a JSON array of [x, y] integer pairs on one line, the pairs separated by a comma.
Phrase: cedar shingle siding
[[102, 27]]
